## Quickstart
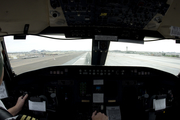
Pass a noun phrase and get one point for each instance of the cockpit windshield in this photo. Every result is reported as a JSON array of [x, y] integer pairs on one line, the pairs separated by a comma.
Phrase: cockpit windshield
[[163, 55], [38, 52]]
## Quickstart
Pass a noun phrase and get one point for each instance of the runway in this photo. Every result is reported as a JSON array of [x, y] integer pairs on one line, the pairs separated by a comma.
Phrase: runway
[[23, 65], [168, 64]]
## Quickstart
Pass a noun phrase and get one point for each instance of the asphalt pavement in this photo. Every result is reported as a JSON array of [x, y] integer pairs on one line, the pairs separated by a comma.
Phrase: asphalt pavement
[[168, 64], [24, 65]]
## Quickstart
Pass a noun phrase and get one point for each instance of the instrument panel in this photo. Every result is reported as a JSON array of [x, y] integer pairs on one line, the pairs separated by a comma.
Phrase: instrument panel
[[74, 92]]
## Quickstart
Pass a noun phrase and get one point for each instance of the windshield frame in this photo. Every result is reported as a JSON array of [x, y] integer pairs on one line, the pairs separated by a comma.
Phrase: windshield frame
[[101, 54]]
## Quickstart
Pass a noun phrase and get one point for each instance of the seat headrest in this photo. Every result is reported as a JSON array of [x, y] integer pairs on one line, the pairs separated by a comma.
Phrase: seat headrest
[[1, 61]]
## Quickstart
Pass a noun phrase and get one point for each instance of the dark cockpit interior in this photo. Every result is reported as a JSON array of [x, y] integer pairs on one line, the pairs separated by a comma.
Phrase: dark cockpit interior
[[75, 91], [72, 93]]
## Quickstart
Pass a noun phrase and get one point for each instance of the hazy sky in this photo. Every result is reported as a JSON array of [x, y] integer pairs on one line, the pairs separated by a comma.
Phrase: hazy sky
[[40, 43], [155, 46]]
